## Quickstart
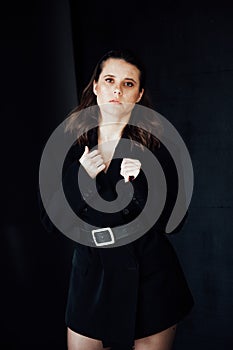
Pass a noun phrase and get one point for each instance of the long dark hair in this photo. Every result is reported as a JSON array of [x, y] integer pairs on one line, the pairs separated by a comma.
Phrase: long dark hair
[[78, 116]]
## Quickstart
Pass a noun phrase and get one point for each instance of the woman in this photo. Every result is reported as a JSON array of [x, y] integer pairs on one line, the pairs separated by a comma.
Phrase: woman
[[133, 294]]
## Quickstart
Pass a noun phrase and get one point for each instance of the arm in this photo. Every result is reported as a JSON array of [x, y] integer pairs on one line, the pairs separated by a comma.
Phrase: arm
[[140, 189], [68, 184]]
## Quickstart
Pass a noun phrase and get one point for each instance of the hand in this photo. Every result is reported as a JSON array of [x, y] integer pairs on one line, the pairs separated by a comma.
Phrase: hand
[[130, 167], [92, 162]]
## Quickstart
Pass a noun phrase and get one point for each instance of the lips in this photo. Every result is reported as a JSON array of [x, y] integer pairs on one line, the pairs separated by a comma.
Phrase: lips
[[115, 101]]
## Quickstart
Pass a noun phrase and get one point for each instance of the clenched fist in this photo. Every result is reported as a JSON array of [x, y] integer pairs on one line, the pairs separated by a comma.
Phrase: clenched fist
[[130, 167]]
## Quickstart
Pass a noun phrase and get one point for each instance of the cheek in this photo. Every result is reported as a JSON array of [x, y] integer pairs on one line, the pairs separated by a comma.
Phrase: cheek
[[133, 96], [102, 95], [102, 91]]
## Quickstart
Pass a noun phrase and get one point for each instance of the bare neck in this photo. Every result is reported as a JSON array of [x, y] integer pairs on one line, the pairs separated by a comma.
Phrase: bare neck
[[111, 129]]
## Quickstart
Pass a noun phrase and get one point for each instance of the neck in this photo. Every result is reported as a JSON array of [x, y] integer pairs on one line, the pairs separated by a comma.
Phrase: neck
[[111, 128], [110, 131]]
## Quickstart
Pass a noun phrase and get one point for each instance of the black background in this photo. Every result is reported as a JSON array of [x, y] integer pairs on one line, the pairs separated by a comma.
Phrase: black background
[[48, 52]]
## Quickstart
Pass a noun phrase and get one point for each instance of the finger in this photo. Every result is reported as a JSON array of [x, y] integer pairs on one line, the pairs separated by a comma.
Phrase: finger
[[126, 176], [131, 167], [132, 173], [123, 162], [129, 178], [122, 172], [100, 168], [127, 161], [130, 159], [86, 151], [99, 162], [97, 158], [133, 161], [94, 153]]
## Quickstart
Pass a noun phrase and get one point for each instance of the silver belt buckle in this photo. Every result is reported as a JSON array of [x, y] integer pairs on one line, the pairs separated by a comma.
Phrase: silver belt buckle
[[96, 234]]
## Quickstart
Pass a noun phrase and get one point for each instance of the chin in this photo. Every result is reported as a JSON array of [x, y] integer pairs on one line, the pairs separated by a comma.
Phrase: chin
[[116, 109]]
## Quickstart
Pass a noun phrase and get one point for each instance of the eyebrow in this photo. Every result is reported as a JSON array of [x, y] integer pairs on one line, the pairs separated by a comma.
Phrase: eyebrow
[[113, 76]]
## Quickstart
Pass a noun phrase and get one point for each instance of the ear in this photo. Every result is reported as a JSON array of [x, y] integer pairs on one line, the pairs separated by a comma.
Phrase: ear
[[140, 95], [95, 87]]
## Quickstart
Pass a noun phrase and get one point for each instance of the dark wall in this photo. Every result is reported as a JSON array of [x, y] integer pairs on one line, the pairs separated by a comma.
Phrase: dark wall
[[38, 89], [49, 49], [188, 51]]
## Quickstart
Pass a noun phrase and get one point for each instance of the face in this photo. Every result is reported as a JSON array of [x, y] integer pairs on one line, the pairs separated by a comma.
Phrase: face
[[118, 85]]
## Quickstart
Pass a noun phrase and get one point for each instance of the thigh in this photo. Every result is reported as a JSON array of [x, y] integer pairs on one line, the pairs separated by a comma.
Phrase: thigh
[[77, 341], [159, 341]]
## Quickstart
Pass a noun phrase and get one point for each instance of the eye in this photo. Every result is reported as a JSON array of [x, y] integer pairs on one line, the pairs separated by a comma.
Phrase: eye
[[129, 84], [109, 80]]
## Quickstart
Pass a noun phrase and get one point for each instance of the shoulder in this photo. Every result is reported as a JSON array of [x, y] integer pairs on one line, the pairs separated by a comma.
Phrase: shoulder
[[75, 152], [164, 156]]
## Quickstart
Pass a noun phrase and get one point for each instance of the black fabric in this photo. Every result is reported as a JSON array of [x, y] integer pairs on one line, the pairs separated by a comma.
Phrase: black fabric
[[124, 293]]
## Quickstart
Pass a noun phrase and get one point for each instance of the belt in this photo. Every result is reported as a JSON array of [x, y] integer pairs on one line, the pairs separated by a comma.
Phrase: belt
[[108, 236]]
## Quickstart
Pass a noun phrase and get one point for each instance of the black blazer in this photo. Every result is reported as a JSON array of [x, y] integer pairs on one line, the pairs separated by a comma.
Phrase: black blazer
[[78, 201], [124, 257]]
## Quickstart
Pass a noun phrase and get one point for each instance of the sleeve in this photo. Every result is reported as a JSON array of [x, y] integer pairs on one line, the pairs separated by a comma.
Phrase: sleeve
[[74, 196], [173, 186], [69, 186], [140, 187], [138, 194]]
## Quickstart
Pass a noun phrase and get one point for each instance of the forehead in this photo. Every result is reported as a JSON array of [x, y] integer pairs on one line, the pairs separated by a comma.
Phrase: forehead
[[120, 68]]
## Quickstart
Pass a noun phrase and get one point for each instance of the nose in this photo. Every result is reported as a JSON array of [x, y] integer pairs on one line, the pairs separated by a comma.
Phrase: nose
[[117, 92]]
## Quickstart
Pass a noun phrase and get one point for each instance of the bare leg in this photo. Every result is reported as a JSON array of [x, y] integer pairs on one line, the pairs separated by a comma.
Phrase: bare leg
[[79, 342], [159, 341]]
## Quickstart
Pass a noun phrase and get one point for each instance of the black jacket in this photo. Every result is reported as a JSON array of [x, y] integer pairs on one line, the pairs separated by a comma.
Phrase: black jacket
[[112, 305]]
